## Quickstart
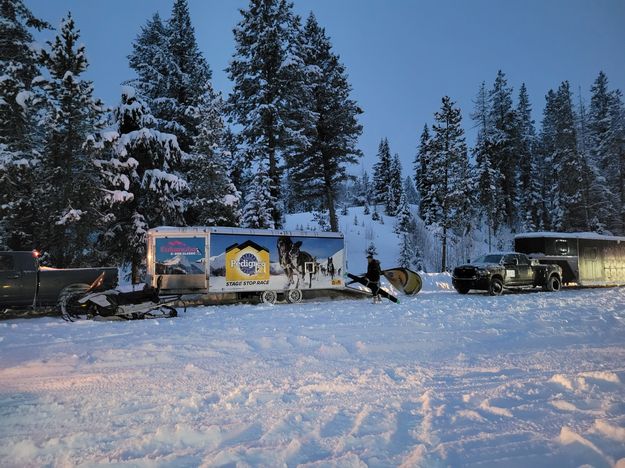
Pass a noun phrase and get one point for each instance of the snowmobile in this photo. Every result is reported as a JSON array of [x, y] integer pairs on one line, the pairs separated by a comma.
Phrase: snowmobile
[[117, 305]]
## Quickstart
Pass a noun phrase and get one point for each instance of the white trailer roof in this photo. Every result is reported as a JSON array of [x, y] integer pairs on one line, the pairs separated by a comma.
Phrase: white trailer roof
[[187, 230], [569, 235]]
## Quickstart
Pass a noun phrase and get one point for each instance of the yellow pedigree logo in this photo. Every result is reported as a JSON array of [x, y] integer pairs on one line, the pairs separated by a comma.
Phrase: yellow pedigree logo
[[247, 262]]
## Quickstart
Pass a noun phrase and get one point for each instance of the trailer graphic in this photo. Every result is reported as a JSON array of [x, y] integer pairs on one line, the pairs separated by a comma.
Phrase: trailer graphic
[[224, 260]]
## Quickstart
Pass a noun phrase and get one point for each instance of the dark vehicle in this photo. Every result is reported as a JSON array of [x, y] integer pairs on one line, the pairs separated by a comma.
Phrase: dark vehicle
[[587, 259], [23, 283], [497, 271]]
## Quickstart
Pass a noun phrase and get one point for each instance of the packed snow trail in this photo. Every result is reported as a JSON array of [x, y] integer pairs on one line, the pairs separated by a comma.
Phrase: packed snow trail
[[438, 380]]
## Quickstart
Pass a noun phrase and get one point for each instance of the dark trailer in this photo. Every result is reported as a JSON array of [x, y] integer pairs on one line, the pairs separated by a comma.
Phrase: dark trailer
[[587, 259]]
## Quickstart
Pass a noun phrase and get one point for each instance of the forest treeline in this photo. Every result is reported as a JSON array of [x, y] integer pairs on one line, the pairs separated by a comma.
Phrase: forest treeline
[[83, 182]]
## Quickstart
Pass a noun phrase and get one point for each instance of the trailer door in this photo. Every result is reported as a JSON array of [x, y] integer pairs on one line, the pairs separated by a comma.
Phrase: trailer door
[[590, 265]]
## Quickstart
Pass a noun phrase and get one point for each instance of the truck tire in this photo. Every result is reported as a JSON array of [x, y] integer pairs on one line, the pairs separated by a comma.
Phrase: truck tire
[[495, 287], [294, 296], [268, 297], [68, 299], [553, 284]]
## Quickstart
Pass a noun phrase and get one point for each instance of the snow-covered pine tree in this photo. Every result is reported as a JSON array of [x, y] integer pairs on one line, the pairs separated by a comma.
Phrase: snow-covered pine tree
[[257, 212], [449, 173], [570, 168], [487, 176], [151, 62], [406, 251], [546, 148], [66, 218], [371, 250], [269, 92], [529, 204], [141, 191], [171, 72], [18, 131], [395, 187], [319, 170], [404, 222], [605, 135], [502, 120], [412, 197], [382, 172], [422, 177], [213, 199]]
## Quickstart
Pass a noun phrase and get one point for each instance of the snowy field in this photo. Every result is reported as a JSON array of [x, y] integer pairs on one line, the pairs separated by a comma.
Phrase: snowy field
[[532, 379]]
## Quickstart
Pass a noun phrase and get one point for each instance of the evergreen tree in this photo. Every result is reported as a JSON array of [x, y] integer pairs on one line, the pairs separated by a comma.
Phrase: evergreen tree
[[382, 172], [214, 199], [371, 250], [18, 130], [68, 201], [449, 173], [171, 73], [545, 162], [141, 191], [405, 221], [570, 168], [603, 140], [395, 187], [502, 120], [422, 177], [321, 168], [529, 203], [487, 176], [616, 177], [257, 211], [269, 91], [151, 62], [412, 197]]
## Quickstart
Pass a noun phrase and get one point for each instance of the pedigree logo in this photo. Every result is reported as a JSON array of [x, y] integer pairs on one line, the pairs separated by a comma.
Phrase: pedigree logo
[[247, 262]]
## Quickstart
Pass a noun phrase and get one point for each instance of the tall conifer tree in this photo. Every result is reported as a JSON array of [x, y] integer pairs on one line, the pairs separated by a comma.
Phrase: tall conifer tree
[[269, 92], [67, 196]]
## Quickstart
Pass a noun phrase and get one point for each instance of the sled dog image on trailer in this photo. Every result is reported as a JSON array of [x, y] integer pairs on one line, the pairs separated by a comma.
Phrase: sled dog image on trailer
[[239, 263], [587, 259]]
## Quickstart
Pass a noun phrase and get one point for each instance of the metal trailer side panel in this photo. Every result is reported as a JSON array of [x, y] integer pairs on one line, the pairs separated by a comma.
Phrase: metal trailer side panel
[[602, 262]]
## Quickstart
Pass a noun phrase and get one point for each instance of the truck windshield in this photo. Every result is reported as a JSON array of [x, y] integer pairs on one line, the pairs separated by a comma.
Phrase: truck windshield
[[489, 259]]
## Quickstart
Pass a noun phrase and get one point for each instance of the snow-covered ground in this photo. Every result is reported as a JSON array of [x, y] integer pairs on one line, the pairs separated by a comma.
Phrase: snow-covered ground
[[531, 379]]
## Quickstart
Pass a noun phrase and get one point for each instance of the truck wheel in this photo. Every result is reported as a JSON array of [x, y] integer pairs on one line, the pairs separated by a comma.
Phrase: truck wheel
[[495, 288], [268, 297], [68, 299], [294, 295], [553, 284], [462, 290]]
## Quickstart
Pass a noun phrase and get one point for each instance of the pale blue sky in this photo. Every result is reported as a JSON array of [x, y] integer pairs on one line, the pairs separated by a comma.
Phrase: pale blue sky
[[402, 56]]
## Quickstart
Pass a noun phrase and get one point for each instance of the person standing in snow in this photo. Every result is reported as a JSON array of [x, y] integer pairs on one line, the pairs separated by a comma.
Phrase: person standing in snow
[[373, 277]]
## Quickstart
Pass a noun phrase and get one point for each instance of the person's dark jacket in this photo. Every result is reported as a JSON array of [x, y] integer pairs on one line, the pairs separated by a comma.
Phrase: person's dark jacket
[[373, 271]]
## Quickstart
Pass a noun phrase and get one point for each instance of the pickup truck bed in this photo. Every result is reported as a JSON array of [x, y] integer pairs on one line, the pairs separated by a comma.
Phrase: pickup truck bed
[[19, 274]]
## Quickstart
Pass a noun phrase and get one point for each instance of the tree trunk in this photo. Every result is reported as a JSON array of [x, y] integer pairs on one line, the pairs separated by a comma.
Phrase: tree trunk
[[444, 260]]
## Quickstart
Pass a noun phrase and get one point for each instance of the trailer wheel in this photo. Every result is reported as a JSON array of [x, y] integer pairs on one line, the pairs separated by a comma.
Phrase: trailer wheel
[[553, 284], [268, 297], [294, 296]]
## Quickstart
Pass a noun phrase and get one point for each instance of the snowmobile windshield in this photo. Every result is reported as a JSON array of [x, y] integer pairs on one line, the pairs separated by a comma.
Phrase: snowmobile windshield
[[489, 259]]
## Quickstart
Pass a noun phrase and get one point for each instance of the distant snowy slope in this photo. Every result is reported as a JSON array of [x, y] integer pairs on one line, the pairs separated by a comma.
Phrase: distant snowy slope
[[359, 230]]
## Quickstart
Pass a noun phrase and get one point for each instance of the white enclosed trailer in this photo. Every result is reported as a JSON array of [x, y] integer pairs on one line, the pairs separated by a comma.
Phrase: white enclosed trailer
[[237, 262]]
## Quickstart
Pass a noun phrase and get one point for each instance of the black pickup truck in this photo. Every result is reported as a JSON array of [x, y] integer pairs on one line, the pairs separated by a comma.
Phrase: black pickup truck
[[498, 271], [22, 281]]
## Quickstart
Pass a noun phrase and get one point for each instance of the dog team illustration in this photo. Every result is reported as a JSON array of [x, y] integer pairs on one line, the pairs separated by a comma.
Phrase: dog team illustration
[[299, 266]]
